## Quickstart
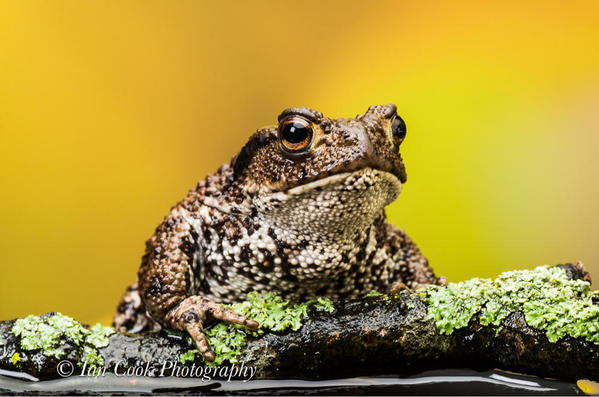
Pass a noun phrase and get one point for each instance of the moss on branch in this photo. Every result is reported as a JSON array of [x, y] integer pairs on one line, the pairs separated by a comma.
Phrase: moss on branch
[[549, 299], [543, 321]]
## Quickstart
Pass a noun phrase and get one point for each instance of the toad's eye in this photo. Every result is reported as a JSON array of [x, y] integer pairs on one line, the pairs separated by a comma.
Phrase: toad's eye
[[295, 134], [398, 128]]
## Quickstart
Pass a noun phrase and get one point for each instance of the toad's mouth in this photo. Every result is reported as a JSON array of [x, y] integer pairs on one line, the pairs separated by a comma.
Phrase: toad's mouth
[[394, 167], [361, 179], [391, 168]]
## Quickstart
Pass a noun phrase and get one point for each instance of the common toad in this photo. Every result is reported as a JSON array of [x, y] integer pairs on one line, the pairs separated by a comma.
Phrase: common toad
[[299, 211]]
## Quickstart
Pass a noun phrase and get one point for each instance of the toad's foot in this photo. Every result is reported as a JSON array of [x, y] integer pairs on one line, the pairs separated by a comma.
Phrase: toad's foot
[[193, 312]]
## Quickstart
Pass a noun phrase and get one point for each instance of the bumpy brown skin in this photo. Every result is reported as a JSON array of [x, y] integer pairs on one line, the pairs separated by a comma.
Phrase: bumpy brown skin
[[302, 224]]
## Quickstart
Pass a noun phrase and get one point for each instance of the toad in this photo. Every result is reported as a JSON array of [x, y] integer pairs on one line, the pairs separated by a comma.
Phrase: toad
[[299, 212]]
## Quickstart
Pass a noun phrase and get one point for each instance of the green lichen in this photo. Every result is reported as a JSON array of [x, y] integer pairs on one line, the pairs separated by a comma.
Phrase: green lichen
[[14, 359], [37, 333], [324, 304], [227, 341], [51, 334], [549, 300], [92, 357], [98, 336], [190, 356], [270, 310]]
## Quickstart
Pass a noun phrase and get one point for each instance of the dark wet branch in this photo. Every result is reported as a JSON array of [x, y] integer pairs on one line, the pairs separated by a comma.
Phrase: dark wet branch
[[373, 335]]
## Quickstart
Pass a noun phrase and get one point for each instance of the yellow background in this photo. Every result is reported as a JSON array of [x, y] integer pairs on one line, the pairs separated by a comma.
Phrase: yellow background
[[111, 111]]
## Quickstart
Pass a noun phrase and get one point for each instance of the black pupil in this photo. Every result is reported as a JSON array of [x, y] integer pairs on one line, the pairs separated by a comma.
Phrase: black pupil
[[399, 128], [295, 132]]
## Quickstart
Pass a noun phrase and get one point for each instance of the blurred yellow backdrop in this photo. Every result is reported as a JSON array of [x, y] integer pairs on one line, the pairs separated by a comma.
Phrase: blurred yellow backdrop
[[111, 111]]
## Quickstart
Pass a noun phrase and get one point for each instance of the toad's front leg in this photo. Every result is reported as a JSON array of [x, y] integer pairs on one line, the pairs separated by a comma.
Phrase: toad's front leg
[[164, 287], [193, 312]]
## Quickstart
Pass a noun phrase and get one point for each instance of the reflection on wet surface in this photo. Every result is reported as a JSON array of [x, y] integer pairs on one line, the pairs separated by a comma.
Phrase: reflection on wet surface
[[438, 382]]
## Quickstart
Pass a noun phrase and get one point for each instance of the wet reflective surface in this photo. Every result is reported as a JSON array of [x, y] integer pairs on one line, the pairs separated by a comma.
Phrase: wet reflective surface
[[438, 382]]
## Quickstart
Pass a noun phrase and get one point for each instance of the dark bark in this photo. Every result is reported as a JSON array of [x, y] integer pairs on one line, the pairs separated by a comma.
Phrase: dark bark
[[372, 335]]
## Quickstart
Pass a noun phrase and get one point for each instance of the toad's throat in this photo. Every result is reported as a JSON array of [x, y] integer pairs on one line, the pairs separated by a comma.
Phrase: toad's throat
[[337, 205]]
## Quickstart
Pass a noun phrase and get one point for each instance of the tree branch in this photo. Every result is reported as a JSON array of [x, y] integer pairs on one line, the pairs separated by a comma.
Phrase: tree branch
[[461, 325]]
